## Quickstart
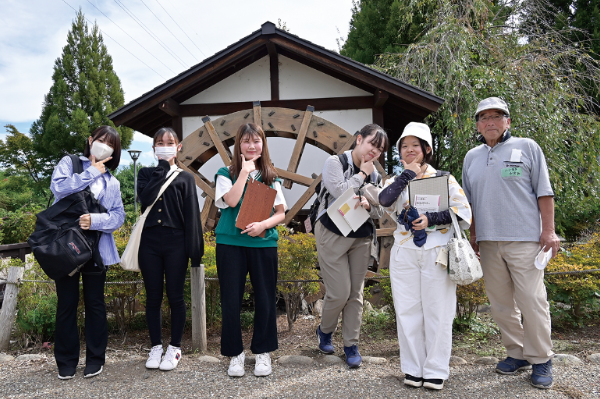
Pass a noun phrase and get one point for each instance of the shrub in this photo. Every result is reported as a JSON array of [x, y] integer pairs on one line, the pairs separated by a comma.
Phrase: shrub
[[468, 298], [297, 260], [579, 291], [385, 285], [17, 226], [213, 291]]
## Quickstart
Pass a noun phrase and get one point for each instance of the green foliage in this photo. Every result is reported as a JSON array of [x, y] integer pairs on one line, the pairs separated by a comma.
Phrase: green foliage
[[579, 292], [125, 177], [213, 291], [475, 49], [378, 322], [377, 27], [17, 226], [385, 285], [468, 298], [247, 320], [85, 90], [24, 170], [297, 260]]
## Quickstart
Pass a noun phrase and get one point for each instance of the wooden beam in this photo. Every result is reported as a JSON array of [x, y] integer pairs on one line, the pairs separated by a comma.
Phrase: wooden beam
[[170, 107], [208, 215], [200, 182], [223, 152], [274, 70], [380, 98], [301, 201], [296, 178], [199, 341], [177, 125], [385, 250], [322, 104], [9, 305], [299, 146], [256, 109]]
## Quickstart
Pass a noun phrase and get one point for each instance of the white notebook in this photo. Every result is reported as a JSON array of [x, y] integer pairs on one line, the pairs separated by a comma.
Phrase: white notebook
[[343, 214]]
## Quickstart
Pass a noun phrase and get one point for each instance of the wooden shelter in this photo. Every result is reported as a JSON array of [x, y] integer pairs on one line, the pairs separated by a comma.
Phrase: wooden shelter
[[295, 90]]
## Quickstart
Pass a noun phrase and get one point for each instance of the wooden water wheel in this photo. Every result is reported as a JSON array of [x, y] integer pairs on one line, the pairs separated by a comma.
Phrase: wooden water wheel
[[215, 138]]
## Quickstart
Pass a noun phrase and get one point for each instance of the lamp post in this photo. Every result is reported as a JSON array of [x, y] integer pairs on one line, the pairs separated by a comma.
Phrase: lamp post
[[135, 154]]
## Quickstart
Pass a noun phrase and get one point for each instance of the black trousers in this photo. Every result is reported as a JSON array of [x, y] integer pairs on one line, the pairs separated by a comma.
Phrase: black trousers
[[163, 258], [233, 264], [66, 345]]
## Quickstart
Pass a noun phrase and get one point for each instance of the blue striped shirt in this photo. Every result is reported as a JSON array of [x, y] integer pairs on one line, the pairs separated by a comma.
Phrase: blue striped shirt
[[65, 182]]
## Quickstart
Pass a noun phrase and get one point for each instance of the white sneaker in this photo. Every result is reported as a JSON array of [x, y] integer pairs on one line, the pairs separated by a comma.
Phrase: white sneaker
[[154, 357], [262, 367], [236, 366], [172, 357]]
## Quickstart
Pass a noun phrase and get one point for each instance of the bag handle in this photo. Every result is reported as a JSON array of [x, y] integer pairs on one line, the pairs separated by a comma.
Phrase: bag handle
[[457, 230], [162, 190]]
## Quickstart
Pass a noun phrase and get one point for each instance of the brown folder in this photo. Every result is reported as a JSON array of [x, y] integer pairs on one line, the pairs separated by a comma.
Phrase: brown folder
[[257, 204]]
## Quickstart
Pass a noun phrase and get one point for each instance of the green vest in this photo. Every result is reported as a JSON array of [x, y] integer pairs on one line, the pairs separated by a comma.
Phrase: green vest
[[227, 233]]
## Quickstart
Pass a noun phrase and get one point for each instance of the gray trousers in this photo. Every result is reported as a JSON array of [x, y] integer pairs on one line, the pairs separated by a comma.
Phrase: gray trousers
[[514, 286], [344, 262]]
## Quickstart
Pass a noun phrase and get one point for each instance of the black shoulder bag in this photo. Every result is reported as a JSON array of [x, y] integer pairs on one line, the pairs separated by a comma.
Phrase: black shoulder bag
[[59, 245]]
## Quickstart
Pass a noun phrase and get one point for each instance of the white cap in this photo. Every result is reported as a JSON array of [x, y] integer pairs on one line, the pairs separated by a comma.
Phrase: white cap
[[419, 130], [492, 103]]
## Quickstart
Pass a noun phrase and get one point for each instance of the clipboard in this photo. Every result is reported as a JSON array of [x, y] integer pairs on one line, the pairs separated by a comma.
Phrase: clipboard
[[257, 204], [342, 213], [431, 186]]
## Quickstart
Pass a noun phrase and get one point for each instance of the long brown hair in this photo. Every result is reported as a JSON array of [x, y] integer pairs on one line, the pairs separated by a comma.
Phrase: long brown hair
[[263, 164]]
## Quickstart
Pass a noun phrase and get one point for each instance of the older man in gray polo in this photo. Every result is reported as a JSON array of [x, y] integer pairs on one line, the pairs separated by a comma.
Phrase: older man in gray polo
[[506, 181]]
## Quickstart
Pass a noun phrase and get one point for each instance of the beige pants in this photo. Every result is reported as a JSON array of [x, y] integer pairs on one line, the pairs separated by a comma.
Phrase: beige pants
[[515, 286], [344, 262]]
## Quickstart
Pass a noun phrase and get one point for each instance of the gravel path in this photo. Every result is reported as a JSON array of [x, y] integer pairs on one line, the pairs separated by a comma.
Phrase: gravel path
[[125, 376]]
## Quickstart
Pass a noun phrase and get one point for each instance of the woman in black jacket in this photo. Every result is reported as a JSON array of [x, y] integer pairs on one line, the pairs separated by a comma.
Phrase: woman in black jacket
[[172, 236]]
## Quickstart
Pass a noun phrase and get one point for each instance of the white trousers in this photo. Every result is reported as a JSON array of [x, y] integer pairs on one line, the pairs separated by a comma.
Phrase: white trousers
[[425, 303]]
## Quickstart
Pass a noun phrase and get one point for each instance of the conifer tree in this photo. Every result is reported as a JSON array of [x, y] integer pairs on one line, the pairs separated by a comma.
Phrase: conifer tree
[[85, 90]]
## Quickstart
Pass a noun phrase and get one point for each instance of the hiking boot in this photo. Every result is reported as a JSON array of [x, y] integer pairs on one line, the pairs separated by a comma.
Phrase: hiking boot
[[541, 376], [262, 368], [236, 365], [433, 383], [92, 370], [353, 358], [416, 382], [510, 366], [154, 357], [324, 341], [172, 357]]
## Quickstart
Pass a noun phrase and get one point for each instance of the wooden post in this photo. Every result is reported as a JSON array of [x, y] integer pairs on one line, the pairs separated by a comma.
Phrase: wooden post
[[7, 315], [198, 309]]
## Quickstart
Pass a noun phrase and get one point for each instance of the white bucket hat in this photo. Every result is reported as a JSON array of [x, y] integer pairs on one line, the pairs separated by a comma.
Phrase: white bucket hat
[[419, 130], [492, 103]]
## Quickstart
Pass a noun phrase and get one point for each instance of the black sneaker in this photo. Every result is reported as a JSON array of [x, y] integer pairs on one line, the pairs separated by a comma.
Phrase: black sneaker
[[92, 370], [416, 382], [66, 373], [433, 383]]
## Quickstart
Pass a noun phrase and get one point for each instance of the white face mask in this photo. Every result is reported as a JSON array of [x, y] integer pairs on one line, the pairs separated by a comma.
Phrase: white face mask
[[100, 151], [165, 152]]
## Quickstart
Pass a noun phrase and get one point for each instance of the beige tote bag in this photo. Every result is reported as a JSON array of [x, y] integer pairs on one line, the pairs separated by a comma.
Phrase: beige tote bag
[[129, 260]]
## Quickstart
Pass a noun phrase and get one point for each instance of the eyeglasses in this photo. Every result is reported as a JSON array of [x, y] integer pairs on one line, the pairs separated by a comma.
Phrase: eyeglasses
[[494, 118]]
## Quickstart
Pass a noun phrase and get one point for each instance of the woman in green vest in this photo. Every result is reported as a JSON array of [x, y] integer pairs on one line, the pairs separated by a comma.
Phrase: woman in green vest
[[243, 251]]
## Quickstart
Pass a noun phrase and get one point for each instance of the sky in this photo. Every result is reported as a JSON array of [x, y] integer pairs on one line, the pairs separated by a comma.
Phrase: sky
[[150, 41]]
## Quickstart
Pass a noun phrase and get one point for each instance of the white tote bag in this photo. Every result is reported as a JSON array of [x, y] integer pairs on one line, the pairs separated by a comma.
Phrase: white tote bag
[[129, 260], [463, 264]]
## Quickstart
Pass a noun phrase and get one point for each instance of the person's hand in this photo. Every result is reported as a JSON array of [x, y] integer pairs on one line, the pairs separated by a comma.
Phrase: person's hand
[[254, 229], [415, 166], [549, 239], [367, 167], [475, 246], [362, 202], [420, 223], [85, 221], [100, 164], [249, 166]]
